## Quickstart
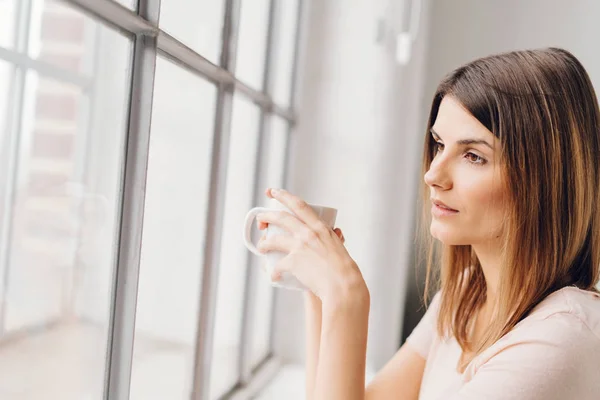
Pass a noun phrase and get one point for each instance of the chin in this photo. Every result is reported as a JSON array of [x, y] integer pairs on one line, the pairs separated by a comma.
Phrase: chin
[[447, 236]]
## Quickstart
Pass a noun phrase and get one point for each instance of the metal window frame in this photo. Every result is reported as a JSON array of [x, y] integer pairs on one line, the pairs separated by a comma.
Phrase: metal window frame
[[126, 275], [127, 21], [245, 364], [48, 70], [150, 41], [216, 204]]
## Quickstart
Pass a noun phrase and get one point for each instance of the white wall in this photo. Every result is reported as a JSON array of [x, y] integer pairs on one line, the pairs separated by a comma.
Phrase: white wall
[[466, 29], [354, 149]]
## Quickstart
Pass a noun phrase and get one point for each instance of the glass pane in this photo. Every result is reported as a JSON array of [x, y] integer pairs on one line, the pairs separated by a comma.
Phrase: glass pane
[[284, 51], [252, 42], [234, 255], [62, 36], [197, 23], [131, 4], [8, 22], [6, 88], [59, 236], [263, 303], [173, 237]]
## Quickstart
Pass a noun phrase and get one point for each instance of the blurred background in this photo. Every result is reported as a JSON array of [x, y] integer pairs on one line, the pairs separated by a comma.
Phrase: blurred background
[[135, 135]]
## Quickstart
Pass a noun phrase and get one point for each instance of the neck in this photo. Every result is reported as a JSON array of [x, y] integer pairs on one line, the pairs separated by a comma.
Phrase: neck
[[489, 256]]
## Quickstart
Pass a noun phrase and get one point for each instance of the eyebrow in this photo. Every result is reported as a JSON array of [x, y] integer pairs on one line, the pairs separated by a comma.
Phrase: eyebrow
[[464, 141]]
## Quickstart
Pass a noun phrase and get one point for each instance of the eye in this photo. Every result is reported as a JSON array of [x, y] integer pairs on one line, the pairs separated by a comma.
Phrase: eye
[[475, 159], [437, 147]]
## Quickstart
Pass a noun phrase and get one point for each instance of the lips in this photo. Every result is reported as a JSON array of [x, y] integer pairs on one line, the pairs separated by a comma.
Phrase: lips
[[442, 205]]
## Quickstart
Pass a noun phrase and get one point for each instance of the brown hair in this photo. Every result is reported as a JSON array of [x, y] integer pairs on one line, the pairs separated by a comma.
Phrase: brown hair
[[542, 106]]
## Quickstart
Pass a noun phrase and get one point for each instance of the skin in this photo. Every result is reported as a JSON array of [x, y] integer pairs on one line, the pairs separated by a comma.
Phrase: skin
[[466, 177], [318, 258]]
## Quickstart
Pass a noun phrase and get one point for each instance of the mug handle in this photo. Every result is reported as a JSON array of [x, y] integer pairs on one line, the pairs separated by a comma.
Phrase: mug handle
[[248, 228]]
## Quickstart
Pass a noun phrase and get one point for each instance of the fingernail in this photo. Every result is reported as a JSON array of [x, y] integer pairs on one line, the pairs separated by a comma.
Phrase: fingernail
[[275, 191]]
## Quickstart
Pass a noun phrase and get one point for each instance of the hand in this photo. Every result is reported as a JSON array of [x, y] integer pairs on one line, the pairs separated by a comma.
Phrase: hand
[[316, 255], [264, 225]]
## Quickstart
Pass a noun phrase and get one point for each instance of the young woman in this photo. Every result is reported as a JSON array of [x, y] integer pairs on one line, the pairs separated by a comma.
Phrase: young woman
[[512, 174]]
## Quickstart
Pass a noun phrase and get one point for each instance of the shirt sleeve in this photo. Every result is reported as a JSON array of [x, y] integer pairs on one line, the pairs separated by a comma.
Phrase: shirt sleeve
[[422, 335], [551, 359]]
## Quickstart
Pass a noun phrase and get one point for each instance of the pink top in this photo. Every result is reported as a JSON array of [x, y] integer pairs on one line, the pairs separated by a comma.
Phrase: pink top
[[552, 354]]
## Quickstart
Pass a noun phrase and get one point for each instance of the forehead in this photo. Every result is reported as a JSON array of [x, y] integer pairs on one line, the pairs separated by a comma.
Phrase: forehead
[[453, 122]]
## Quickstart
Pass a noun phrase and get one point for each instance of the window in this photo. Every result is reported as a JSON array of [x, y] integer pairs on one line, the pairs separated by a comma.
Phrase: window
[[8, 19], [252, 42], [168, 300], [6, 73], [131, 4], [59, 197], [284, 50], [198, 24], [130, 152], [262, 312], [234, 255]]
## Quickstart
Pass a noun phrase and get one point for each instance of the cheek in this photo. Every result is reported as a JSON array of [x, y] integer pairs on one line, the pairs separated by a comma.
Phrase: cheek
[[485, 200]]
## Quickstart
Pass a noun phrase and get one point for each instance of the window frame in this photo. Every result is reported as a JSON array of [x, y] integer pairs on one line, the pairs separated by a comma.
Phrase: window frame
[[149, 40]]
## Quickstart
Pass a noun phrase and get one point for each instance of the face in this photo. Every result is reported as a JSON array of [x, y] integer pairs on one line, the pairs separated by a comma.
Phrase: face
[[465, 179]]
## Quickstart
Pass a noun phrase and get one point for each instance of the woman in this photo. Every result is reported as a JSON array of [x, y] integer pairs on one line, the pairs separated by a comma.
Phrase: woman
[[511, 167]]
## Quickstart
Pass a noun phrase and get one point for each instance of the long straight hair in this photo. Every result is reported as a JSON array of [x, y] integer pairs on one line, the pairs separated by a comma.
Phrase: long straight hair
[[542, 106]]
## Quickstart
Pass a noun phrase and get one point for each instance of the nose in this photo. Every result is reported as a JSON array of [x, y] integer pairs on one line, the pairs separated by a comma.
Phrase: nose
[[438, 176]]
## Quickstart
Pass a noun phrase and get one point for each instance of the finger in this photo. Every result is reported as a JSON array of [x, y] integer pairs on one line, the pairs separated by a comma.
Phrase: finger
[[262, 225], [298, 206], [285, 244], [284, 220], [262, 263], [280, 268], [275, 276], [339, 234]]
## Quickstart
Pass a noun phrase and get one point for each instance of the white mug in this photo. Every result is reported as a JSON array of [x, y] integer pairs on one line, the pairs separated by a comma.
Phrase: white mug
[[287, 280]]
